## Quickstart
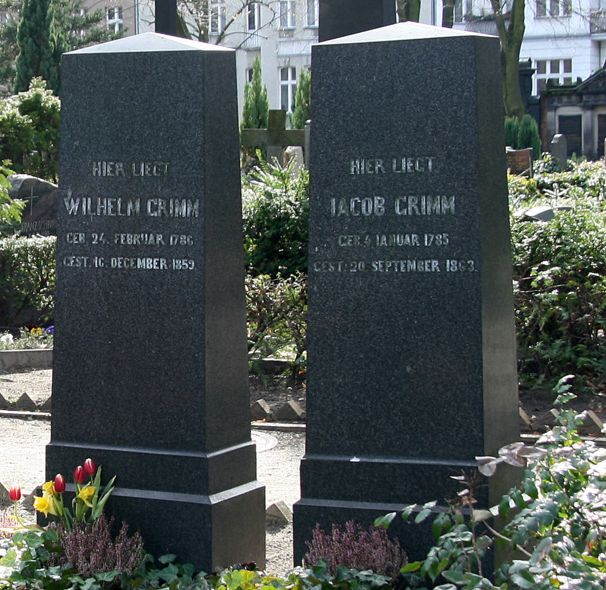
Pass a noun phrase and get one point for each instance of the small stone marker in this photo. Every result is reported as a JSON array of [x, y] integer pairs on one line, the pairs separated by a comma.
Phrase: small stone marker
[[278, 514], [559, 150], [150, 370], [411, 356], [25, 403], [260, 410], [289, 411], [346, 17]]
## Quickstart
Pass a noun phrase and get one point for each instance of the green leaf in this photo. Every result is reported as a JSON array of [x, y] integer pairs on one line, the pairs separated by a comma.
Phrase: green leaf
[[167, 558], [504, 507], [384, 521], [422, 515], [413, 566]]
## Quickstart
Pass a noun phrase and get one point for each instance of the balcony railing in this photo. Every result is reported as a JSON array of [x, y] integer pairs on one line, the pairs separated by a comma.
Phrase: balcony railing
[[597, 22], [252, 40]]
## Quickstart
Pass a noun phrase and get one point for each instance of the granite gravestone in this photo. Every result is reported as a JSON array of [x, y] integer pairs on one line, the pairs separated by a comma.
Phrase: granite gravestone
[[39, 217], [346, 17], [559, 150], [150, 367], [411, 351]]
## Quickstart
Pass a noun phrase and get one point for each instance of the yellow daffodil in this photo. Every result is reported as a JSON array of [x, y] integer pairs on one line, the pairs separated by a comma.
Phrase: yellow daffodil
[[44, 504], [86, 494], [48, 488]]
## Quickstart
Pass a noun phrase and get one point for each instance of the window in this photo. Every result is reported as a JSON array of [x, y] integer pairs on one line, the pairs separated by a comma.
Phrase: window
[[249, 75], [553, 8], [559, 70], [287, 14], [217, 16], [311, 15], [253, 16], [288, 86], [113, 18], [458, 14]]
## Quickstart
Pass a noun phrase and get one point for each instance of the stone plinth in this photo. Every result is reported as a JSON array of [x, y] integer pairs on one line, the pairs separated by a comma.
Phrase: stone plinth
[[150, 367], [411, 354]]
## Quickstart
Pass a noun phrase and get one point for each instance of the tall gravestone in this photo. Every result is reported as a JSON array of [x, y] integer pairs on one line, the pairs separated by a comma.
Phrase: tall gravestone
[[346, 17], [411, 351], [150, 367]]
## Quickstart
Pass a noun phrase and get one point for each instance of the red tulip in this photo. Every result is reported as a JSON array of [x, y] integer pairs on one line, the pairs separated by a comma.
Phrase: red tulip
[[90, 467], [14, 494], [79, 475], [59, 483]]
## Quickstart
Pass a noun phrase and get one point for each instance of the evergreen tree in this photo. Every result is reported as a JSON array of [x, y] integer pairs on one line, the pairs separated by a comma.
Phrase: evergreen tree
[[528, 136], [255, 113], [302, 111], [73, 28], [39, 43]]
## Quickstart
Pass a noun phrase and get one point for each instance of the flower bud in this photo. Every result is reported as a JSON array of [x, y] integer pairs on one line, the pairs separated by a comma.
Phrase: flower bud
[[59, 483], [90, 467], [14, 494], [79, 475]]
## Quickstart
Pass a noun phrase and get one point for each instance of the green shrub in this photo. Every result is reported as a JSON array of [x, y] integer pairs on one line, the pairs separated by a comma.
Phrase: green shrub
[[276, 213], [29, 127], [555, 519], [302, 111], [276, 316], [528, 136], [27, 281], [10, 209], [255, 112], [512, 127], [559, 276]]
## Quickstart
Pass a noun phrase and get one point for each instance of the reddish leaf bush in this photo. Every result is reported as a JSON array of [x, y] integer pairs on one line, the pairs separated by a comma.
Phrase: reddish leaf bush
[[357, 548]]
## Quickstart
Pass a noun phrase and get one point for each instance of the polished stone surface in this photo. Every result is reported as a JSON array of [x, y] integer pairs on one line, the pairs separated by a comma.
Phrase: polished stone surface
[[411, 351], [345, 17], [150, 373]]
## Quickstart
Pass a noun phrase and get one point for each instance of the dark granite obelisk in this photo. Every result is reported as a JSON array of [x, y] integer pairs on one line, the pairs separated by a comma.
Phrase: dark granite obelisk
[[411, 350], [150, 367], [346, 17]]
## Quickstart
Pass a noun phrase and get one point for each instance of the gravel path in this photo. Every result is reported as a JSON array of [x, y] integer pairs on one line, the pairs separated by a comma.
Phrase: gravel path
[[22, 445]]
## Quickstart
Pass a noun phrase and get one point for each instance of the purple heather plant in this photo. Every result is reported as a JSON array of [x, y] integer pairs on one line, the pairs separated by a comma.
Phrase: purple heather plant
[[355, 547], [91, 549]]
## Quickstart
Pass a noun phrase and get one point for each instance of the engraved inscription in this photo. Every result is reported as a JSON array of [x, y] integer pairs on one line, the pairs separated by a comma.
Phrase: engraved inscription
[[168, 249], [393, 250]]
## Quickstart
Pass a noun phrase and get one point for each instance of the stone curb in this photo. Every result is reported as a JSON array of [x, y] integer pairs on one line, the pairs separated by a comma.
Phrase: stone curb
[[31, 358], [25, 415], [279, 426]]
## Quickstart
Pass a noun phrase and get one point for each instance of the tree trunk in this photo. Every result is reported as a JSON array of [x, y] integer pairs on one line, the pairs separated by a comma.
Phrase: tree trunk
[[511, 35], [409, 10], [447, 13]]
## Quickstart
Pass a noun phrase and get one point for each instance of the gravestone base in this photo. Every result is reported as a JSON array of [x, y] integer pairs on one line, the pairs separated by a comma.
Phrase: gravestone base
[[335, 491], [219, 495], [414, 539], [233, 519]]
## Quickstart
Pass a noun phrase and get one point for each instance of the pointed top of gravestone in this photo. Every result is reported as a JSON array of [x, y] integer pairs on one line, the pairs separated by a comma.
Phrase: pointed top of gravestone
[[149, 42], [401, 32]]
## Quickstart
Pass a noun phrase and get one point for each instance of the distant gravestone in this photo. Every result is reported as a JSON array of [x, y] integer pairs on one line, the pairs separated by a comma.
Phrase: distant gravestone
[[150, 357], [346, 17], [559, 150], [411, 354], [40, 214]]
